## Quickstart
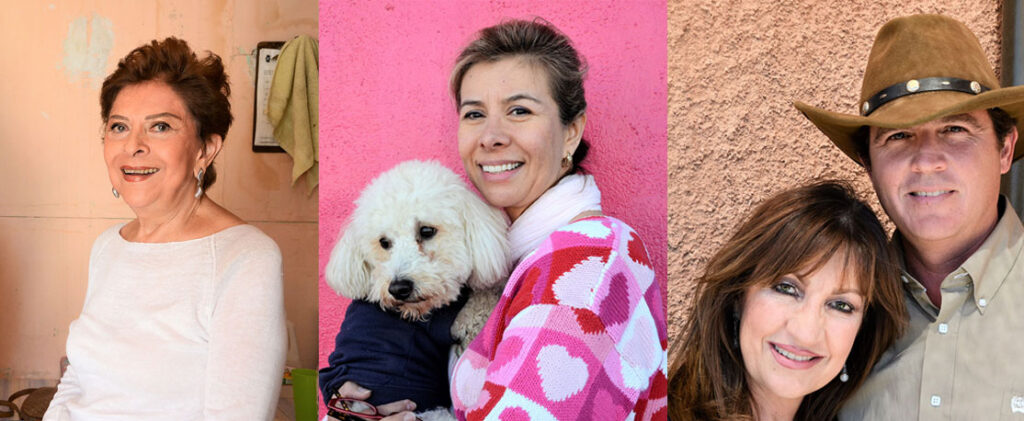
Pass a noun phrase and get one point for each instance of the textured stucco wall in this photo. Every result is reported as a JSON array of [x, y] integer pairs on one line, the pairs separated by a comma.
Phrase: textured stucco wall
[[384, 74], [735, 67]]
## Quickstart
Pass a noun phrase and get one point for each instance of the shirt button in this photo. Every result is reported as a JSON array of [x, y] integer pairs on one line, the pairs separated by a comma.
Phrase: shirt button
[[936, 400], [982, 302], [943, 328]]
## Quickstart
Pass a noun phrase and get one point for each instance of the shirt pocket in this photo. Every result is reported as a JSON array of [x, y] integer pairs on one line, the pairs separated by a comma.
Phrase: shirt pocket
[[1012, 404]]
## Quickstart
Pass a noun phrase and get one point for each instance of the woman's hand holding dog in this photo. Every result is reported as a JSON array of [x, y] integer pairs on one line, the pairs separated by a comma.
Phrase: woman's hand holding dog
[[395, 411]]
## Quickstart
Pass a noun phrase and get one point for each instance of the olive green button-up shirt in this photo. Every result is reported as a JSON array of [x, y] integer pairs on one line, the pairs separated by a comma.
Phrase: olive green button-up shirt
[[964, 361]]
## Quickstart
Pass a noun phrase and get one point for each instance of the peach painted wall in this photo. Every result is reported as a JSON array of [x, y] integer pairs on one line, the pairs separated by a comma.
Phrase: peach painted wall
[[385, 100], [56, 196], [734, 136]]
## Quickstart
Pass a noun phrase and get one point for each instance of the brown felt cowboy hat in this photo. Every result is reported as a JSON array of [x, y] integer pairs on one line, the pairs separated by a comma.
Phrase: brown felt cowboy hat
[[921, 68]]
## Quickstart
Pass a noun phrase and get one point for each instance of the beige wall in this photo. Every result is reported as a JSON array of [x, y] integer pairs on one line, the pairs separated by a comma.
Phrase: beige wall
[[55, 192], [735, 67]]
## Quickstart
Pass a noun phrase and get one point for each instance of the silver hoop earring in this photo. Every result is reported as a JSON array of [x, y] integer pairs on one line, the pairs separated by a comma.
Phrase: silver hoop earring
[[843, 377], [199, 183], [115, 193]]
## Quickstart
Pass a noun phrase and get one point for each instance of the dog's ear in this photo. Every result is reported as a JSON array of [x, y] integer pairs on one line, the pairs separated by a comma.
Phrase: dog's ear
[[348, 272], [487, 241]]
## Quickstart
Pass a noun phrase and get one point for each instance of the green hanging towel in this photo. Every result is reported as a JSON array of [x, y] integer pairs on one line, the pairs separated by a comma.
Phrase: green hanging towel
[[293, 107]]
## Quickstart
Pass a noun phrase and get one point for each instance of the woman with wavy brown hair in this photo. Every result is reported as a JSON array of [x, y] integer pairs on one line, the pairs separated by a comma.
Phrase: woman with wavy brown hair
[[791, 314]]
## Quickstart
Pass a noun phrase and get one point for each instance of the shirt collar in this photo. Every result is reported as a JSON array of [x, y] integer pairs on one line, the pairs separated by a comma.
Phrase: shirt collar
[[986, 269]]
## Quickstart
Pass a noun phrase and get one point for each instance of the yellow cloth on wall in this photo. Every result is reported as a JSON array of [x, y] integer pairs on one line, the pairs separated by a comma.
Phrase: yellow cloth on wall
[[293, 107]]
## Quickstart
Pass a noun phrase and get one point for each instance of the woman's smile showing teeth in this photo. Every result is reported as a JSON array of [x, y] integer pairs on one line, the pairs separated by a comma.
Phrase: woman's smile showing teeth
[[499, 168], [137, 173], [793, 357], [500, 171]]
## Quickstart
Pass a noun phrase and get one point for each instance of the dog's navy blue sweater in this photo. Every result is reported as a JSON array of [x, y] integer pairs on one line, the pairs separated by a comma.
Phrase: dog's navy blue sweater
[[394, 358]]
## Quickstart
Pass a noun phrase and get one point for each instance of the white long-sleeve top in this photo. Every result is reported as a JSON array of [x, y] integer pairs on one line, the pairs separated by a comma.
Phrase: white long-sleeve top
[[190, 330]]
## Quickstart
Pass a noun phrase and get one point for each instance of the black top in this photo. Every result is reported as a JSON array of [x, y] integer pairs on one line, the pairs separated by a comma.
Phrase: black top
[[392, 357]]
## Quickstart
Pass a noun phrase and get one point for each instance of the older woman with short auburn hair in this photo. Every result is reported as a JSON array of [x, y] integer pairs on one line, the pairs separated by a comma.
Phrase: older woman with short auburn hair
[[183, 316]]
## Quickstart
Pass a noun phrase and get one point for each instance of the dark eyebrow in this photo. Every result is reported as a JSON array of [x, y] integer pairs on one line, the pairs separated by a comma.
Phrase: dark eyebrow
[[172, 115], [855, 291], [517, 97], [470, 102], [512, 98], [148, 117], [955, 118], [803, 283], [882, 131], [965, 118]]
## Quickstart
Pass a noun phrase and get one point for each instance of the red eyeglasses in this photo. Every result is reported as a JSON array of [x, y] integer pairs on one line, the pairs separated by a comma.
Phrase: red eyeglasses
[[345, 409]]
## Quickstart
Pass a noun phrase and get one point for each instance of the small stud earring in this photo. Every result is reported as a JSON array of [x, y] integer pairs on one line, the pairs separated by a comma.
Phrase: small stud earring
[[115, 193], [199, 183], [843, 377]]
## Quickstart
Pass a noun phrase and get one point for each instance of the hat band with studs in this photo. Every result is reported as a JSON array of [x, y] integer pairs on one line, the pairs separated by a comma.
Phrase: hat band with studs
[[916, 86]]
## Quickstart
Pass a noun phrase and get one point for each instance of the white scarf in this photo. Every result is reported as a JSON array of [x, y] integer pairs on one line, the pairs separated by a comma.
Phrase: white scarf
[[571, 196]]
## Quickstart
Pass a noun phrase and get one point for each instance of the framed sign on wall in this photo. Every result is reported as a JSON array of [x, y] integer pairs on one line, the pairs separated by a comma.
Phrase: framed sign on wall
[[262, 131]]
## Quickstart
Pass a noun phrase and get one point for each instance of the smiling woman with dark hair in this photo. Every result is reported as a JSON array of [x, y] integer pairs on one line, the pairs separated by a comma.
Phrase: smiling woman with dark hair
[[791, 314], [183, 316], [583, 304], [579, 331]]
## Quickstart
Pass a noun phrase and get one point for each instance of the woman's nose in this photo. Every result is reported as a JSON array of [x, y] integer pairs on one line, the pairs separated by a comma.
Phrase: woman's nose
[[137, 144], [495, 134], [806, 325]]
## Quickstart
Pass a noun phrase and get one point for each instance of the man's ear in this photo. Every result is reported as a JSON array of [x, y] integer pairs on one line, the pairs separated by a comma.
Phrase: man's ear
[[865, 161], [1006, 153], [862, 144]]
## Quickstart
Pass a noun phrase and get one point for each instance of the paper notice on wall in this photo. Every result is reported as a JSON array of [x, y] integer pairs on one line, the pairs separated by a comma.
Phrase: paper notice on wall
[[263, 131]]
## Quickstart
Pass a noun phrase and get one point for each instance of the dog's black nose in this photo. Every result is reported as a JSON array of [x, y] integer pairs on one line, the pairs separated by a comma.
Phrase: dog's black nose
[[401, 289]]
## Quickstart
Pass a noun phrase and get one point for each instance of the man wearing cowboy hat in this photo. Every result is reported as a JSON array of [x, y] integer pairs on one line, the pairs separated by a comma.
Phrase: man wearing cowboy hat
[[935, 131]]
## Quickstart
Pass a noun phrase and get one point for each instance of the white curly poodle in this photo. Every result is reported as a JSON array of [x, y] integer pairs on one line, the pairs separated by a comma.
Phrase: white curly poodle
[[416, 237]]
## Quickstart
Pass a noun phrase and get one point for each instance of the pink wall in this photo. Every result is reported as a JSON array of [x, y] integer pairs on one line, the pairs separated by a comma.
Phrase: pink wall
[[384, 99]]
